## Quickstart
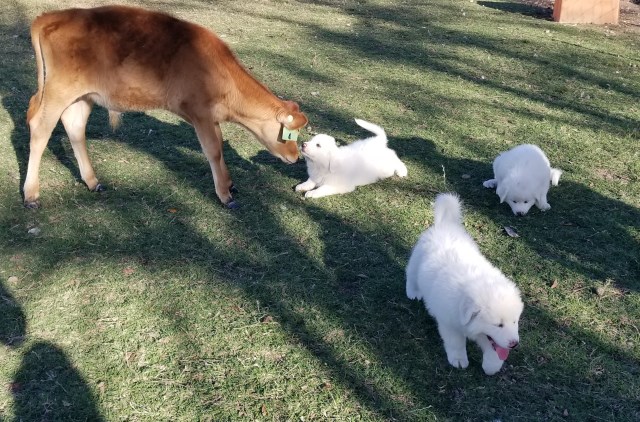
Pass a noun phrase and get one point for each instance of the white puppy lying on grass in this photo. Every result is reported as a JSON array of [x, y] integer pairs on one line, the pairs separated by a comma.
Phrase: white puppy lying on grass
[[468, 297], [334, 169], [521, 178]]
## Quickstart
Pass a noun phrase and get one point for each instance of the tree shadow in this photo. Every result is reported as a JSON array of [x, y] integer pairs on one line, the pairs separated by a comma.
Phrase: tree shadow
[[404, 341], [48, 387], [526, 9], [411, 42], [370, 305], [559, 235], [18, 78]]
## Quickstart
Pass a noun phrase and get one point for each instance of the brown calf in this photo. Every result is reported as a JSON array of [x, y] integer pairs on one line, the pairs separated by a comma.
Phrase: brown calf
[[125, 58]]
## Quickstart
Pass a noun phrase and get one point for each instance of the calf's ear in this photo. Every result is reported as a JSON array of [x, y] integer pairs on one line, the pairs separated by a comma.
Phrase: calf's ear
[[291, 117]]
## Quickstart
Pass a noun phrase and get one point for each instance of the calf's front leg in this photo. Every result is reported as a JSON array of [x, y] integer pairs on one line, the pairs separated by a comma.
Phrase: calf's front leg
[[210, 137]]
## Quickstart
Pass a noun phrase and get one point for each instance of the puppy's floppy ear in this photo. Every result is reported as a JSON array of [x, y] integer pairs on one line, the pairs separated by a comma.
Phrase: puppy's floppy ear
[[502, 192], [330, 155], [468, 310]]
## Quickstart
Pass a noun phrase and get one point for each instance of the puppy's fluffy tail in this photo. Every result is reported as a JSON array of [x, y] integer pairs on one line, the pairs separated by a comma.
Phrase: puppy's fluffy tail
[[447, 209], [377, 130], [555, 176]]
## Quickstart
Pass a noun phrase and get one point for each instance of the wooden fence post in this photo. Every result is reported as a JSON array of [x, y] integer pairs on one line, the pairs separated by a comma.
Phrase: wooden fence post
[[586, 11]]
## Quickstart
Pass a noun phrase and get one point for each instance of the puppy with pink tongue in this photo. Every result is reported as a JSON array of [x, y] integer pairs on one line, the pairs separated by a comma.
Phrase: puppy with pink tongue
[[468, 297]]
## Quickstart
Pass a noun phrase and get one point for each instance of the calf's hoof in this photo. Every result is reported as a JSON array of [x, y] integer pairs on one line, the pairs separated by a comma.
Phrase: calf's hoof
[[32, 205], [99, 188]]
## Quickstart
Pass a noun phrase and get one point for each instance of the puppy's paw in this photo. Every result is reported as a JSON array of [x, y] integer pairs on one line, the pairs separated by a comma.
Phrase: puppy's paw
[[305, 186], [402, 171], [491, 363], [413, 292], [491, 183], [313, 194], [545, 207], [458, 361]]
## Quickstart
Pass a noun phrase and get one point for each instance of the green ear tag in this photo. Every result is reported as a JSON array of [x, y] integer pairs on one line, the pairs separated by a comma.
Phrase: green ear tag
[[289, 135]]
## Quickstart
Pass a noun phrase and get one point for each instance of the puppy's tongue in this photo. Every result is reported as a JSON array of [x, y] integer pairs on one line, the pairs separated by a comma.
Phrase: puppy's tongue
[[502, 352]]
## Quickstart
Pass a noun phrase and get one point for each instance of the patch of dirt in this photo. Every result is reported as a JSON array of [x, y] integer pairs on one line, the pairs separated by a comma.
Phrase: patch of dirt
[[629, 11], [607, 174]]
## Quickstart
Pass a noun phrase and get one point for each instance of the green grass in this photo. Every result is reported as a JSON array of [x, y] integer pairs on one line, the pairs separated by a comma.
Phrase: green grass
[[152, 302]]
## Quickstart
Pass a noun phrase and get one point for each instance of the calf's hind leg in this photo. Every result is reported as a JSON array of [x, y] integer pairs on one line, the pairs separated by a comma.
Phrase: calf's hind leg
[[74, 119], [41, 125]]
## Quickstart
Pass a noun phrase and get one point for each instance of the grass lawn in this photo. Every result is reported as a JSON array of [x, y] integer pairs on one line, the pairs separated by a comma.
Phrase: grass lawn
[[151, 302]]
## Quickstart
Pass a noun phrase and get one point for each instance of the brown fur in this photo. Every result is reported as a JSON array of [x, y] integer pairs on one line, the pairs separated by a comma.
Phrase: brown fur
[[127, 58]]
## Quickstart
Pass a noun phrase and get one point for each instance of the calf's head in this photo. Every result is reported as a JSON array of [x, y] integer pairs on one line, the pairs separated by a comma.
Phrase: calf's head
[[288, 117]]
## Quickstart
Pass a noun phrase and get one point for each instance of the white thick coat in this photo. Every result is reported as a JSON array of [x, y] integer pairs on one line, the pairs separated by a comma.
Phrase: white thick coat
[[335, 170], [522, 176], [462, 290]]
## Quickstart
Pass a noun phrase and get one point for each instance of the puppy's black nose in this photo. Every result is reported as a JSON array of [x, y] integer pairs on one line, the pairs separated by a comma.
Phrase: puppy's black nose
[[519, 213], [513, 344]]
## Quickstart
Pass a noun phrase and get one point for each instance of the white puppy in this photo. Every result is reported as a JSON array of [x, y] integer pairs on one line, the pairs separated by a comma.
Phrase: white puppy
[[334, 169], [468, 297], [521, 178]]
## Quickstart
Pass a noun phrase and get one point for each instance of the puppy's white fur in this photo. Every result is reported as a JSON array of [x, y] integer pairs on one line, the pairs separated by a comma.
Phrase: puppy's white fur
[[463, 291], [521, 178], [333, 170]]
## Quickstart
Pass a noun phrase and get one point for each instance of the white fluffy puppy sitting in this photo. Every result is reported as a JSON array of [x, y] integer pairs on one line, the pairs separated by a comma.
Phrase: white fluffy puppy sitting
[[468, 297], [521, 178], [334, 169]]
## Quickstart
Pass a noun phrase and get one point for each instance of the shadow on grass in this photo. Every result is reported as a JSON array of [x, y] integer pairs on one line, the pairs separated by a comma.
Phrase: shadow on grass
[[413, 39], [13, 324], [47, 387], [599, 248], [18, 79], [525, 9], [360, 282]]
